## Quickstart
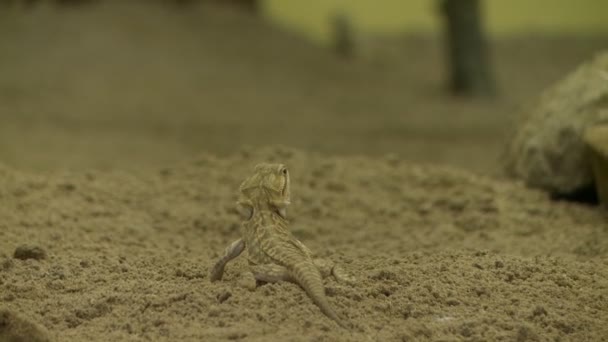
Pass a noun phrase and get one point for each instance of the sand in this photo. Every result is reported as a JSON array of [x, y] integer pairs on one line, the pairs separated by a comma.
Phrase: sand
[[121, 134], [439, 254]]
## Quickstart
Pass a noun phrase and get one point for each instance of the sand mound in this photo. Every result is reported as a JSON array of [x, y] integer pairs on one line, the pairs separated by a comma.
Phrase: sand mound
[[440, 254]]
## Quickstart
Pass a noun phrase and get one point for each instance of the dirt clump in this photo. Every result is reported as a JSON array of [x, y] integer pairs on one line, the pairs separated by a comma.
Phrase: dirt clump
[[25, 252]]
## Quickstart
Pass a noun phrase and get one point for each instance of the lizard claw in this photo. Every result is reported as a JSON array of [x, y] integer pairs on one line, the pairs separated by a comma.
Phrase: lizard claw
[[342, 276]]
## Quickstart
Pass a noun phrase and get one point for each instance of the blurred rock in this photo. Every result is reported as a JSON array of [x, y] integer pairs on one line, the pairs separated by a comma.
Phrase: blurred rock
[[14, 328], [596, 139], [547, 150]]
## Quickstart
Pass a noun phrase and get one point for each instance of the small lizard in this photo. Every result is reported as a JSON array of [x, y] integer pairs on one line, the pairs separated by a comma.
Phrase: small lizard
[[274, 254]]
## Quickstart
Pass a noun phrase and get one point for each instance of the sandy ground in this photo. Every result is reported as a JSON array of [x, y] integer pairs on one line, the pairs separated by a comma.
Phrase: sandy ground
[[439, 254], [121, 148]]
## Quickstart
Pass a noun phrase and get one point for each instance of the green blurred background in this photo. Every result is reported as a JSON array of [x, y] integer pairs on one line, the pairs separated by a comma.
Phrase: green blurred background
[[118, 84], [504, 17]]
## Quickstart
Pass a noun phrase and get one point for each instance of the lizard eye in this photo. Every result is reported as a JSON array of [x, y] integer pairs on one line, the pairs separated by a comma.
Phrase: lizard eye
[[284, 171]]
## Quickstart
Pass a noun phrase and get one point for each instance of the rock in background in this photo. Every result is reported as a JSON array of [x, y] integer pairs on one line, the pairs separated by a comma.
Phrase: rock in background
[[596, 140], [547, 150]]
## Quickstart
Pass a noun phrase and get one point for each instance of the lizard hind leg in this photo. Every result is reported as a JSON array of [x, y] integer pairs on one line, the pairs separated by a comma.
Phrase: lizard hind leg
[[327, 268], [271, 273]]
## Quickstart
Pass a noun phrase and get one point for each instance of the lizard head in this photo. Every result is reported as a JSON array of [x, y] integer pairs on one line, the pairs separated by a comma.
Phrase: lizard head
[[268, 187]]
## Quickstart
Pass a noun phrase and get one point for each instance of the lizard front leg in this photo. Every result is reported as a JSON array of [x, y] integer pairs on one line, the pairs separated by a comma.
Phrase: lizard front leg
[[232, 251]]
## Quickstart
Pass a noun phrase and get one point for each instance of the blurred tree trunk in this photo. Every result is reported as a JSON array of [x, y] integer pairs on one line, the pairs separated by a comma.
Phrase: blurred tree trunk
[[26, 3], [343, 35], [73, 2], [249, 5], [184, 2], [466, 50]]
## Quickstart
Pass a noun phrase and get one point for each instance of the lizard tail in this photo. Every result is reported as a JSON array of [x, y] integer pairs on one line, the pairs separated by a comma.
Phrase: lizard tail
[[308, 277]]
